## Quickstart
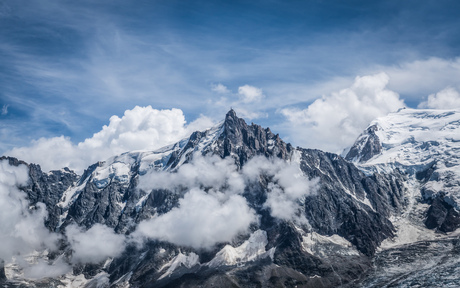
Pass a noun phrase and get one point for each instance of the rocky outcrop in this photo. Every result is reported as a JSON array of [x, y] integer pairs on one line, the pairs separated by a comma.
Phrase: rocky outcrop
[[46, 188], [349, 203], [367, 146]]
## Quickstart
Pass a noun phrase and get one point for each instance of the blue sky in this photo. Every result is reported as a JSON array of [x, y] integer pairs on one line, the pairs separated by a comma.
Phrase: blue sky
[[67, 66]]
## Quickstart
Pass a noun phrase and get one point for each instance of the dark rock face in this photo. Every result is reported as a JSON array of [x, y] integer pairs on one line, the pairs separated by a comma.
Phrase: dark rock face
[[347, 203], [46, 188], [243, 142], [2, 271], [239, 141], [420, 264], [367, 146], [442, 216]]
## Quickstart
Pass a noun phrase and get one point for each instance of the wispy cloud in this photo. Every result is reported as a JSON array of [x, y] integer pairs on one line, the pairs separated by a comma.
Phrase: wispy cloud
[[5, 109], [69, 66]]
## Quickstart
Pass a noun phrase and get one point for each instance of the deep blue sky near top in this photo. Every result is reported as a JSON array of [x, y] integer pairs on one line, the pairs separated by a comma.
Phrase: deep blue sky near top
[[67, 66]]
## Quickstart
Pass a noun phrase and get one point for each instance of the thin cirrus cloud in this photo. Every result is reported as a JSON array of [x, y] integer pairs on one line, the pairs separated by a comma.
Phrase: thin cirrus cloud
[[67, 67]]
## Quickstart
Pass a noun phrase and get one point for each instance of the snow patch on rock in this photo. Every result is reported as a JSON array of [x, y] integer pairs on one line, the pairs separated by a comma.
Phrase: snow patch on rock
[[252, 249]]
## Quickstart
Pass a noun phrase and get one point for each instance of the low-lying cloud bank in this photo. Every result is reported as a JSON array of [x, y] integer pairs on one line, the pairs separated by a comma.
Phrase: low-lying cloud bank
[[23, 233], [211, 210], [138, 129]]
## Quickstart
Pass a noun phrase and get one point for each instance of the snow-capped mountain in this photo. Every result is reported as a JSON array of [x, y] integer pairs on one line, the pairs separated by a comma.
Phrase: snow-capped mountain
[[425, 144], [234, 206]]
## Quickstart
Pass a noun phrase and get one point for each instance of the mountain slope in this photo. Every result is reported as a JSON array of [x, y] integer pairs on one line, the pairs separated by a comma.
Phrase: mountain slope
[[425, 144]]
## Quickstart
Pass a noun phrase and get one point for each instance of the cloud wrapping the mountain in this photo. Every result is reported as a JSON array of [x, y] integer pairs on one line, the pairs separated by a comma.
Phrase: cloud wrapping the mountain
[[212, 209], [287, 189], [448, 98], [333, 122], [203, 172], [43, 269], [94, 245], [201, 220], [284, 198], [22, 229], [138, 129]]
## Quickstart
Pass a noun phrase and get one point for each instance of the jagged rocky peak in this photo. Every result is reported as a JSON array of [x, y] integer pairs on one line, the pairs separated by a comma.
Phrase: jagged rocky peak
[[366, 146], [13, 161], [232, 137], [244, 141]]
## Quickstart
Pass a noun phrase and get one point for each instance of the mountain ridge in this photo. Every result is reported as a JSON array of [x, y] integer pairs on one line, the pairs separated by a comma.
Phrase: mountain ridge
[[333, 230]]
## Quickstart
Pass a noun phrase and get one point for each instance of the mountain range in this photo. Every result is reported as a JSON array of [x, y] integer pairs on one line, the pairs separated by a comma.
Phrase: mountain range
[[236, 206]]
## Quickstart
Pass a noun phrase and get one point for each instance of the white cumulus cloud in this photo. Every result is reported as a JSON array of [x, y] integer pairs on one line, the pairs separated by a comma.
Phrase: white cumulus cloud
[[247, 102], [201, 220], [250, 94], [142, 128], [94, 245], [333, 122], [448, 98], [220, 88], [288, 187]]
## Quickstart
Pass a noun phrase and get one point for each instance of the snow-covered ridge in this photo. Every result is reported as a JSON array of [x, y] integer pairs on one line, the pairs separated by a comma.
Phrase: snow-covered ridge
[[120, 168], [413, 136], [424, 143], [250, 250]]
